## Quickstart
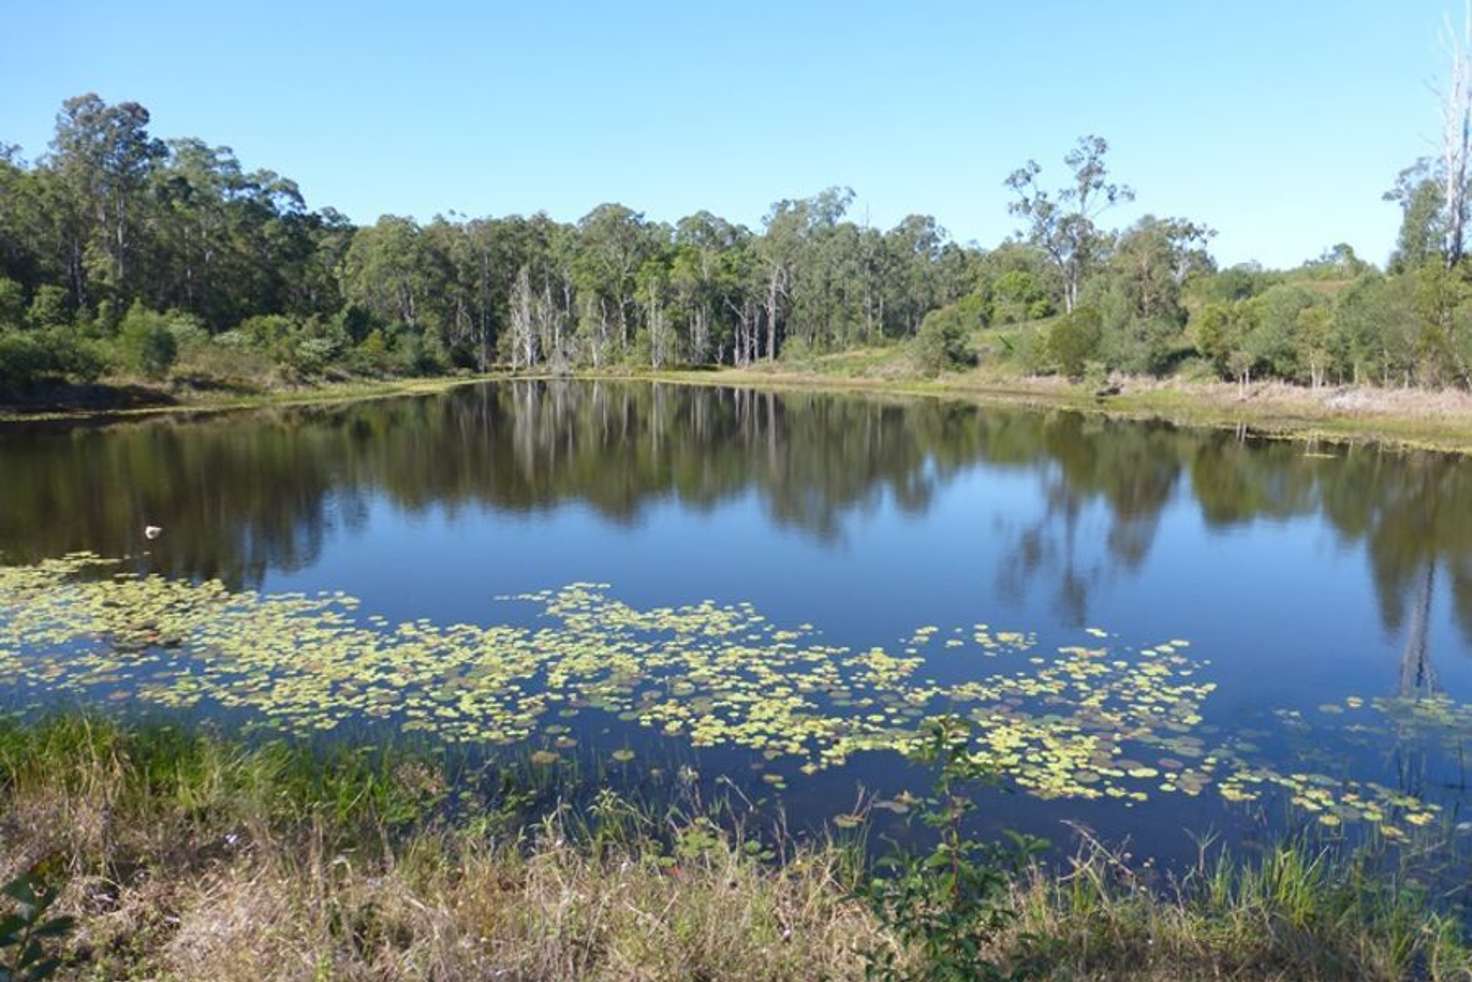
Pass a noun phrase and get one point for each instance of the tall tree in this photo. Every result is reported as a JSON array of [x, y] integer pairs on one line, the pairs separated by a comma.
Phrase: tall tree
[[103, 154], [1062, 224], [1456, 136]]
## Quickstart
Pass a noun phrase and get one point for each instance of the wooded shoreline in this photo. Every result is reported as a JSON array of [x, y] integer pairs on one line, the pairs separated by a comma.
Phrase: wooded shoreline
[[1409, 418]]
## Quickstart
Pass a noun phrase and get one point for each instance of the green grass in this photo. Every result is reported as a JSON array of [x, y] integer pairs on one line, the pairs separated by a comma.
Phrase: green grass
[[185, 854]]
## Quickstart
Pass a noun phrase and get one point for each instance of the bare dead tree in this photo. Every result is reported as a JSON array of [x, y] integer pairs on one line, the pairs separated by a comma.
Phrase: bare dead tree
[[1456, 132], [523, 329]]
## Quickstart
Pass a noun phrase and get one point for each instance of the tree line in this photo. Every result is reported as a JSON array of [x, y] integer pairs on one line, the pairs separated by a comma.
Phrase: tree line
[[128, 254]]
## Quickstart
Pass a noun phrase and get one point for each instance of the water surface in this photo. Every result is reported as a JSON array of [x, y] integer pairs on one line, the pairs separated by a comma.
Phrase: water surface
[[1322, 594]]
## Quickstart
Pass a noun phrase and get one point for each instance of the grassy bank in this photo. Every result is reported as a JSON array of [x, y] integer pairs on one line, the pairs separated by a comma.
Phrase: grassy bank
[[185, 855]]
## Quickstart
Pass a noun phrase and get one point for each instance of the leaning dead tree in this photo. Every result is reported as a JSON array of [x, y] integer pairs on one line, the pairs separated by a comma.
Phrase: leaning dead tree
[[1456, 133]]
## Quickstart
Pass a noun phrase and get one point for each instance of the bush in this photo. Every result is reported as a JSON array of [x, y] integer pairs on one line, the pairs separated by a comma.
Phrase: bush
[[48, 307], [797, 350], [33, 356], [12, 303], [187, 331], [1028, 348], [310, 356], [1147, 346], [147, 342], [423, 355], [22, 361], [372, 354], [266, 331], [1074, 340], [942, 343]]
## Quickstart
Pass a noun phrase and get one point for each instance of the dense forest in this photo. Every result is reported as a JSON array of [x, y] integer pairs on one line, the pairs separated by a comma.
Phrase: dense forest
[[129, 256]]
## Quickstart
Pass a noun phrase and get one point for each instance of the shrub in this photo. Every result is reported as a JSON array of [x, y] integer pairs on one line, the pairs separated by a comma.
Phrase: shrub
[[310, 356], [32, 356], [147, 342], [21, 360], [423, 355], [48, 307], [950, 904], [266, 331], [12, 303], [186, 329], [797, 350], [1029, 350], [1074, 340], [942, 342], [372, 354]]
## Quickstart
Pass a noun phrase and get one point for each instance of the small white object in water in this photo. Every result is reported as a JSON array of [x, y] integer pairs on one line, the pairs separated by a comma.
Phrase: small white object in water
[[152, 531]]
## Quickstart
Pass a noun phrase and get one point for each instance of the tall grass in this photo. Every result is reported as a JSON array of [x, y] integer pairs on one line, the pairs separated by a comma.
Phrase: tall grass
[[186, 855]]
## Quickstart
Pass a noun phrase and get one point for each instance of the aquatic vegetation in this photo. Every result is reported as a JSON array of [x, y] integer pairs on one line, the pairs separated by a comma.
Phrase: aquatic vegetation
[[1088, 721]]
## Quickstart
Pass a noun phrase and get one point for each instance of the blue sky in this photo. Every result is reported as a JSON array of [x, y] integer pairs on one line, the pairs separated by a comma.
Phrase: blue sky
[[1280, 124]]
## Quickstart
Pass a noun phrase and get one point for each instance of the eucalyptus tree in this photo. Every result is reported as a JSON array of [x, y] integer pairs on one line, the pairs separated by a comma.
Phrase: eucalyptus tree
[[103, 155], [388, 271], [780, 250], [614, 241], [1419, 193], [705, 281], [916, 244], [1062, 223], [1154, 258]]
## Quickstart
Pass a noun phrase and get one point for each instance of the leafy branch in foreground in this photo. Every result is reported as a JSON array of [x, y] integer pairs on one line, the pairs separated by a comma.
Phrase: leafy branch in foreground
[[22, 954], [949, 903]]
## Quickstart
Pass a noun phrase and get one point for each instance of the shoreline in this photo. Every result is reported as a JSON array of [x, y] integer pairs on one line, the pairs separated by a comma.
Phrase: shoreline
[[1271, 410], [179, 852], [332, 392], [1399, 418]]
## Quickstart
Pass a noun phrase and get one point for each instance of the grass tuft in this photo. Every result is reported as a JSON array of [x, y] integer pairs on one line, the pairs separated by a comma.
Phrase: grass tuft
[[183, 854]]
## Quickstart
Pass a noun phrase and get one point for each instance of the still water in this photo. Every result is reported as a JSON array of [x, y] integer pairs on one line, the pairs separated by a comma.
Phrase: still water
[[1158, 629]]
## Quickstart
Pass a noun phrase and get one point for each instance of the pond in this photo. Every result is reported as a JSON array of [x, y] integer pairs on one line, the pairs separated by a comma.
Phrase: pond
[[1157, 629]]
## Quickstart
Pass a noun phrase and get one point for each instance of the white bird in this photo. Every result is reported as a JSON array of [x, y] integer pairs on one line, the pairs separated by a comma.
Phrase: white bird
[[152, 531]]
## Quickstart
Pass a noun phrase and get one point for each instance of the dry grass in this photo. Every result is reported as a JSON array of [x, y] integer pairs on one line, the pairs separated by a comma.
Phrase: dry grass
[[190, 857], [549, 910]]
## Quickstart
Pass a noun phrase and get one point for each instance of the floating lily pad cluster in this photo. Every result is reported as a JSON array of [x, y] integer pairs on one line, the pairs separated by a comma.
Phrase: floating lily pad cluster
[[1086, 721]]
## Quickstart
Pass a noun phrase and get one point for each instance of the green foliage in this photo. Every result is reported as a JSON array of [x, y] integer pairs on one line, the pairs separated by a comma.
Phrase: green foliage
[[1147, 346], [25, 933], [798, 351], [943, 341], [147, 341], [371, 355], [1019, 295], [187, 330], [114, 220], [27, 357], [1423, 222], [12, 303], [48, 307], [423, 354], [1074, 340], [1028, 349], [950, 903]]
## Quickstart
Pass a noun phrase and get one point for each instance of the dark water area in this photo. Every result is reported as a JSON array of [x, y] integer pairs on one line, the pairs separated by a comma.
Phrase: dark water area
[[1325, 591]]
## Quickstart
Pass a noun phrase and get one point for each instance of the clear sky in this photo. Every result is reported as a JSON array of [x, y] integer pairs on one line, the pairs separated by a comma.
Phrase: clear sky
[[1278, 123]]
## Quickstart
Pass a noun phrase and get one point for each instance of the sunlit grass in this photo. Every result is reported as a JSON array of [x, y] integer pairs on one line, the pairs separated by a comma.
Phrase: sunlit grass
[[189, 855]]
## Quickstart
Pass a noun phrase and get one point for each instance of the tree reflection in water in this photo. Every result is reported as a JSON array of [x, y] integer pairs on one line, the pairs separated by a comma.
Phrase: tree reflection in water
[[244, 493]]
